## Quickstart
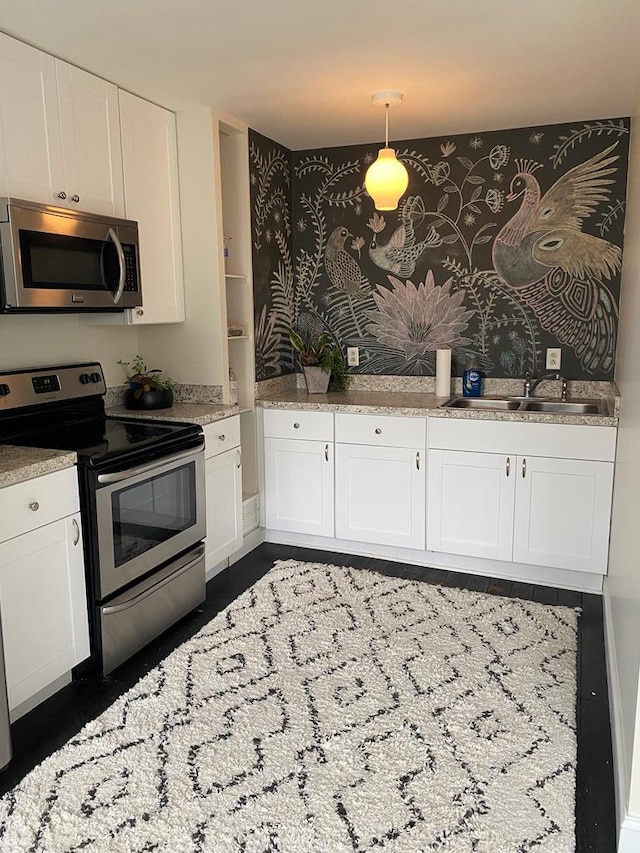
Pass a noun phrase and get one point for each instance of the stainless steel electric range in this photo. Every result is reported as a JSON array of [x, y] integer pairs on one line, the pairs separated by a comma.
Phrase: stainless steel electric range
[[142, 500]]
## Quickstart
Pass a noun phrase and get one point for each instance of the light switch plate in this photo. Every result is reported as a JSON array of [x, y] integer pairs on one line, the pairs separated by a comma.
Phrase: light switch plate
[[353, 356], [554, 358]]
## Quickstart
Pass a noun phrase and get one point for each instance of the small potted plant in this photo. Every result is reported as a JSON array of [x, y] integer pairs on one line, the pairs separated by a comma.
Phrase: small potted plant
[[148, 389], [322, 363]]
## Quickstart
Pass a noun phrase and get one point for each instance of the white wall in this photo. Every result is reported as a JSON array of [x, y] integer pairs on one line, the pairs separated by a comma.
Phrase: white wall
[[31, 340], [622, 586]]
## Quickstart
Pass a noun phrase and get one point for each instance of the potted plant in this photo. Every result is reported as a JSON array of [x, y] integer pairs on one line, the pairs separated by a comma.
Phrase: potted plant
[[148, 389], [322, 363]]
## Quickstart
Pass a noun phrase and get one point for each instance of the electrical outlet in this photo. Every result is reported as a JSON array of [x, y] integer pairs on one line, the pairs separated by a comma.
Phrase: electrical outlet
[[353, 356], [554, 358]]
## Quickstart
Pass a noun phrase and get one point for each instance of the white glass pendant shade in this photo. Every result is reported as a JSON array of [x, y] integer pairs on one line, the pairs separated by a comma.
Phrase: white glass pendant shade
[[386, 180]]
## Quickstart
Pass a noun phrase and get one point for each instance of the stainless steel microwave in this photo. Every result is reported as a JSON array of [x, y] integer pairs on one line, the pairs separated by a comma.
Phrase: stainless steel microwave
[[54, 259]]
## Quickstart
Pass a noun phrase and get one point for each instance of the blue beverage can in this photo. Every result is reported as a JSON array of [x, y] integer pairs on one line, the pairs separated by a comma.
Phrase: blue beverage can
[[472, 383]]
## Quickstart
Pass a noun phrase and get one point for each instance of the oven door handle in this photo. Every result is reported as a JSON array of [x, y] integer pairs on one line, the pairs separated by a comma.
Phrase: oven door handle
[[111, 234], [118, 476], [125, 605]]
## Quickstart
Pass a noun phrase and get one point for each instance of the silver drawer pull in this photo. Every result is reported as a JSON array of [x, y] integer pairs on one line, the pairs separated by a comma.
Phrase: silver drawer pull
[[508, 466], [221, 437], [75, 198], [524, 467], [76, 531], [296, 426], [34, 506], [378, 431], [62, 194]]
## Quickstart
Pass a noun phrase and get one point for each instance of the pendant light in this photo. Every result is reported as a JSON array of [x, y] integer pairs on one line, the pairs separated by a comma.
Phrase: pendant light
[[386, 179]]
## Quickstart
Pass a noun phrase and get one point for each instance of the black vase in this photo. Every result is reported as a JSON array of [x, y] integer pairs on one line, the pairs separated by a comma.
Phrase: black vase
[[157, 398]]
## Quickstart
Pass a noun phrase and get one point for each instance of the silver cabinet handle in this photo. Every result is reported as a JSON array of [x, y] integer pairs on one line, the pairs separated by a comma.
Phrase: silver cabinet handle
[[221, 437], [62, 194], [378, 431], [75, 198], [139, 312], [296, 426], [239, 465], [111, 235], [418, 460], [76, 531], [34, 506], [326, 452], [524, 467], [508, 466]]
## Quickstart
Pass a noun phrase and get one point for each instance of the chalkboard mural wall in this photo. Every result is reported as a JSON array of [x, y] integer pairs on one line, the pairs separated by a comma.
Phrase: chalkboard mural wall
[[504, 244]]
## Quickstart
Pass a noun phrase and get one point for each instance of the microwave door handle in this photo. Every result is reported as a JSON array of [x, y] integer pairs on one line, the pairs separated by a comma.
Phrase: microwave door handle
[[111, 235]]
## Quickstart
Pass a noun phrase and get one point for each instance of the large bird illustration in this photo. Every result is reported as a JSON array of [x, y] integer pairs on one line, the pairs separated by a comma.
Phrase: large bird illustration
[[556, 268], [342, 268], [401, 253]]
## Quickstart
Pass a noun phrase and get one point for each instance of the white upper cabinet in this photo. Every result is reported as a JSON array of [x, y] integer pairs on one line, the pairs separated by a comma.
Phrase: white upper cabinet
[[30, 138], [150, 164], [59, 133], [90, 126]]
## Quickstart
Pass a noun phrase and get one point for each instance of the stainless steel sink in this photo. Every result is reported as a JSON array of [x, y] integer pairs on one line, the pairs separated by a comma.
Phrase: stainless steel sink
[[500, 404], [560, 407], [528, 404]]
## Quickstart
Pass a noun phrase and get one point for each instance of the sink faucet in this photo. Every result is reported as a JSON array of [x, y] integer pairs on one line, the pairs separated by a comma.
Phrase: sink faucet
[[530, 384]]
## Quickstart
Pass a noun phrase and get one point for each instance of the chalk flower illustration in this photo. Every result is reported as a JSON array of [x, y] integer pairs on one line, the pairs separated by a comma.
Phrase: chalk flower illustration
[[495, 200], [448, 148], [268, 342], [421, 319], [499, 156]]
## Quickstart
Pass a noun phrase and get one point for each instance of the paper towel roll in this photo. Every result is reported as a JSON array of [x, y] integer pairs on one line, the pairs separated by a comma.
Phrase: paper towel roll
[[443, 373]]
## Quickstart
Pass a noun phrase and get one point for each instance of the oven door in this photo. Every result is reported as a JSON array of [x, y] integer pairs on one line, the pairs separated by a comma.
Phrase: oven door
[[146, 516]]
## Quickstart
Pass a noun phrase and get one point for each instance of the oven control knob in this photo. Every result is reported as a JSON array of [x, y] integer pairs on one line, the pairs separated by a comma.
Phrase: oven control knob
[[4, 390], [85, 378], [95, 377]]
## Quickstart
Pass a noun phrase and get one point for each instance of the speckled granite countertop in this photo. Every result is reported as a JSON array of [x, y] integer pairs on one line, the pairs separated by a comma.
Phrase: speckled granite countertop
[[25, 463], [194, 413], [419, 404]]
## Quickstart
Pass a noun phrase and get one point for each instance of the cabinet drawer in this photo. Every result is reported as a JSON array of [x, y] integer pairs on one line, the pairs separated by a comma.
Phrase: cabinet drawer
[[221, 435], [291, 423], [34, 503], [380, 430]]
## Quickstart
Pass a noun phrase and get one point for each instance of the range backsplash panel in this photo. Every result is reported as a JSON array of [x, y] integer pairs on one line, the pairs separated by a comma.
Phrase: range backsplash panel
[[505, 243]]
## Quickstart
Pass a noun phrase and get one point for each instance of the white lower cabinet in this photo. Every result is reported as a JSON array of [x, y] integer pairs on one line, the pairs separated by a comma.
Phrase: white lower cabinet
[[380, 488], [43, 599], [528, 509], [299, 486], [223, 479], [471, 500]]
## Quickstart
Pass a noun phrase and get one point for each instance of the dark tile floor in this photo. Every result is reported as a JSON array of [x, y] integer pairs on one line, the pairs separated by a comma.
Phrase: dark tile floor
[[52, 723]]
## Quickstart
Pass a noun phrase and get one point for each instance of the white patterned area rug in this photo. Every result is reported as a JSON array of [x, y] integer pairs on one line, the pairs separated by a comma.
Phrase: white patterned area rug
[[328, 709]]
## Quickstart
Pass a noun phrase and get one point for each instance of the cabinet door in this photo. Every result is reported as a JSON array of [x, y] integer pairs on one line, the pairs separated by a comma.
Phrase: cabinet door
[[224, 505], [150, 165], [30, 138], [380, 495], [562, 513], [90, 125], [299, 486], [43, 605], [470, 503]]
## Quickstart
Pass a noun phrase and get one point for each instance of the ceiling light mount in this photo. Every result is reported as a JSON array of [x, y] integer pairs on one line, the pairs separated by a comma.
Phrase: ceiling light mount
[[387, 179]]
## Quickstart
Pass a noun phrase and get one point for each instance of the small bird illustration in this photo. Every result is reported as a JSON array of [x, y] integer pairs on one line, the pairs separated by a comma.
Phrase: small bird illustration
[[557, 269], [401, 253], [342, 268]]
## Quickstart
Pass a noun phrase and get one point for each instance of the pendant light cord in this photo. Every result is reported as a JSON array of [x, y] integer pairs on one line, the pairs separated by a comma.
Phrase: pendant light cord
[[386, 132]]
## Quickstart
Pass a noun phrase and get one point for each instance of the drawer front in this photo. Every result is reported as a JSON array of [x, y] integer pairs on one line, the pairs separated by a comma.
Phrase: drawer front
[[221, 436], [559, 441], [34, 503], [292, 423], [380, 430]]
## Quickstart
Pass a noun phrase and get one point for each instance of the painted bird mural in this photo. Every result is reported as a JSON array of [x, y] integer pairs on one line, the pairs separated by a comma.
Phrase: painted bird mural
[[342, 268], [401, 253], [555, 267]]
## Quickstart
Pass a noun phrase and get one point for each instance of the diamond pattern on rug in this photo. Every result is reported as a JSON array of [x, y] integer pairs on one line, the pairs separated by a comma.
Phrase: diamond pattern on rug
[[328, 710]]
